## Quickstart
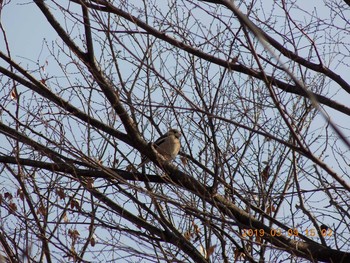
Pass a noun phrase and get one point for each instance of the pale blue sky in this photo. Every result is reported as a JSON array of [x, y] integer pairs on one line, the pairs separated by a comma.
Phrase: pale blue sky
[[26, 29]]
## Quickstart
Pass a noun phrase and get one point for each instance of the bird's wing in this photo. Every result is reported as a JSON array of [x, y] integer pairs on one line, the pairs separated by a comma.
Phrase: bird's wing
[[161, 139]]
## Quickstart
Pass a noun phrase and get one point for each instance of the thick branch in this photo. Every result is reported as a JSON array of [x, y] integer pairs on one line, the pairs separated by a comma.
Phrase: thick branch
[[85, 173], [105, 85], [165, 235], [41, 89], [310, 250]]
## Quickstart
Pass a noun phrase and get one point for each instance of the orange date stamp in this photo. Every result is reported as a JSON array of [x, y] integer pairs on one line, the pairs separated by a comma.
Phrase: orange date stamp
[[292, 232]]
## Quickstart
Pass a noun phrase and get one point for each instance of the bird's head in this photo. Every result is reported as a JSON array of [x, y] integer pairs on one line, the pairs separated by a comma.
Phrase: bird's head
[[175, 132]]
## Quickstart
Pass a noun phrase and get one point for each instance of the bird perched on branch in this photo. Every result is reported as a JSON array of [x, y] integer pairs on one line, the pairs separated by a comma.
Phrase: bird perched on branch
[[168, 145]]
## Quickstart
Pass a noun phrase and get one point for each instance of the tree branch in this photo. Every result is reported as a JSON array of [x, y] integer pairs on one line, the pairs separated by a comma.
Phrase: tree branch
[[294, 89]]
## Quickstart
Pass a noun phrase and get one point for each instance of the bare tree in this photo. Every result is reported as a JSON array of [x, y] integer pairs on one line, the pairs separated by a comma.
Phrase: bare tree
[[255, 87]]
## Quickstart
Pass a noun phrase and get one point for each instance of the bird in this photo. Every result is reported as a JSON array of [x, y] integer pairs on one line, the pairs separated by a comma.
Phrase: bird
[[168, 145]]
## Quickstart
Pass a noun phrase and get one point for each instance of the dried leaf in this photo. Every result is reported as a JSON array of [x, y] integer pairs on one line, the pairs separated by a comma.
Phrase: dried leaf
[[60, 193], [196, 228], [8, 196], [20, 194], [258, 239], [184, 160], [265, 174], [248, 247], [12, 207], [210, 250], [233, 149], [42, 210], [72, 204], [130, 168], [234, 59], [92, 241], [270, 209], [75, 204], [65, 217], [239, 254], [115, 162], [90, 183], [188, 235], [73, 233], [13, 94]]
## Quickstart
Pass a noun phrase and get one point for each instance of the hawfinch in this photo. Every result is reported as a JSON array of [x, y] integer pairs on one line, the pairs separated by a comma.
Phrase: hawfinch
[[167, 145]]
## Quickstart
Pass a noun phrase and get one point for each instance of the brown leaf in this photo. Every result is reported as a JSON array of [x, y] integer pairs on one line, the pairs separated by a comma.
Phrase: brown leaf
[[92, 241], [60, 193], [90, 183], [234, 59], [197, 231], [65, 217], [42, 210], [20, 194], [115, 162], [210, 251], [184, 160], [265, 174], [188, 235], [130, 168], [8, 196], [77, 205], [13, 208], [238, 254], [258, 239], [74, 204], [13, 94], [73, 233], [270, 209]]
